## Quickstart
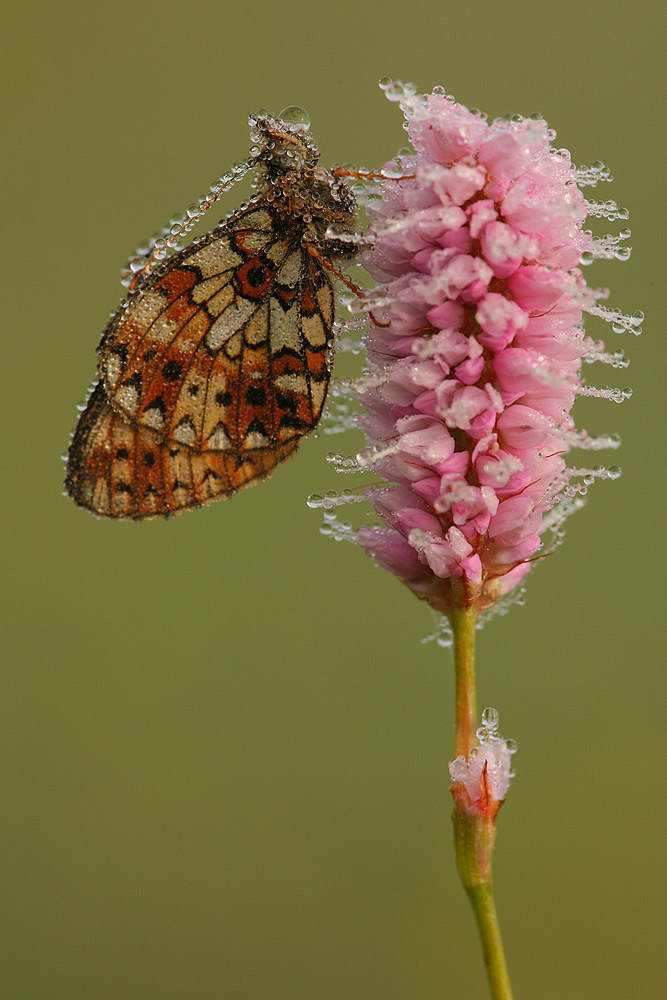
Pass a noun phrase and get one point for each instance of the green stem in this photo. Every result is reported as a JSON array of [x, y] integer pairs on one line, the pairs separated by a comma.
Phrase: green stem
[[463, 626], [475, 822]]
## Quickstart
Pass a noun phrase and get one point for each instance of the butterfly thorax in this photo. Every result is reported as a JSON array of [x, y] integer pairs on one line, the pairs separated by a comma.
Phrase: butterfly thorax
[[313, 202], [308, 197]]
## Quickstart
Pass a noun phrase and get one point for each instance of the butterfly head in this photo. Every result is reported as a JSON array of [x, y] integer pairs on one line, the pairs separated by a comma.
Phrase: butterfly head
[[283, 143]]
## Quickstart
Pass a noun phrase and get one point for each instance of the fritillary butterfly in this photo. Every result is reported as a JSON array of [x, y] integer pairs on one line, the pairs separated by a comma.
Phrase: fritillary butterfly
[[217, 363]]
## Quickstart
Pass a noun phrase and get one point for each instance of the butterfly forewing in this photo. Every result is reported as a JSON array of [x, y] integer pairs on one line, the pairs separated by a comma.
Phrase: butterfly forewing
[[227, 349]]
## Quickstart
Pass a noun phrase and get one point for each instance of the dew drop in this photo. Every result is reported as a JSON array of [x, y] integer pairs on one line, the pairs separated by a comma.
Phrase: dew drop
[[458, 768], [614, 471], [392, 171], [490, 718], [296, 116], [395, 91]]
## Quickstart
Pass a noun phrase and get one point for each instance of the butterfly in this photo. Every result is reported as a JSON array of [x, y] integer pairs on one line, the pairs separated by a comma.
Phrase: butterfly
[[216, 365]]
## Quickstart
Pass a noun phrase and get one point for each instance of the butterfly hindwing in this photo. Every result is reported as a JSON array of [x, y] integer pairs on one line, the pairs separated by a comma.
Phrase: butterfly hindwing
[[119, 470]]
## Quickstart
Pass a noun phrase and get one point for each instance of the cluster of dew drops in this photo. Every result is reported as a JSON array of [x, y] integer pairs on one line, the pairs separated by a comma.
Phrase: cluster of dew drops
[[488, 738]]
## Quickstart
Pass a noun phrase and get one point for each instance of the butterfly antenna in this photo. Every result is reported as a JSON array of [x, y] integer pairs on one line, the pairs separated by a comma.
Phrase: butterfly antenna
[[168, 240]]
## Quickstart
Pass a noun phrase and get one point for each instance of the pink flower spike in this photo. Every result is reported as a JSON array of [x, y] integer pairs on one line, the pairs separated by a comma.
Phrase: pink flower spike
[[474, 351]]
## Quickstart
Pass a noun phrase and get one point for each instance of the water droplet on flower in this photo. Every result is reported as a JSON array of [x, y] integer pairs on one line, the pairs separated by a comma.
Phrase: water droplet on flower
[[392, 171], [614, 471], [394, 91], [384, 82], [490, 718], [458, 768]]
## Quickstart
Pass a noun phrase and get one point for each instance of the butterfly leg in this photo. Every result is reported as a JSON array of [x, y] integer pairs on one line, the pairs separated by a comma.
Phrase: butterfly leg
[[368, 175], [360, 292], [328, 266]]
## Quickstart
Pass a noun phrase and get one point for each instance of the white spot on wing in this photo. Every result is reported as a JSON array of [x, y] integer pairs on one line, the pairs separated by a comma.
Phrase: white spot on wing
[[163, 330], [256, 328], [290, 270], [112, 369], [128, 398], [229, 322], [205, 290], [259, 219], [285, 330], [219, 439], [313, 331], [254, 439], [214, 258], [184, 432], [293, 383], [145, 309], [318, 392], [220, 301], [152, 417]]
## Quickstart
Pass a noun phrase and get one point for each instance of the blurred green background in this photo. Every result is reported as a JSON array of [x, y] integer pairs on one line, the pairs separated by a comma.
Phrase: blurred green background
[[225, 771]]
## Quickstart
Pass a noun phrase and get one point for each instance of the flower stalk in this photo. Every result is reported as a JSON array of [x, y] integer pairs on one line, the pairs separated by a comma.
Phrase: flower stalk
[[474, 837], [475, 821], [464, 621]]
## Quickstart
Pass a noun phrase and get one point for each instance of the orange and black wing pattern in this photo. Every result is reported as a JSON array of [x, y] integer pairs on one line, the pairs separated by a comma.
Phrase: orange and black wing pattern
[[120, 470], [226, 350], [212, 372]]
